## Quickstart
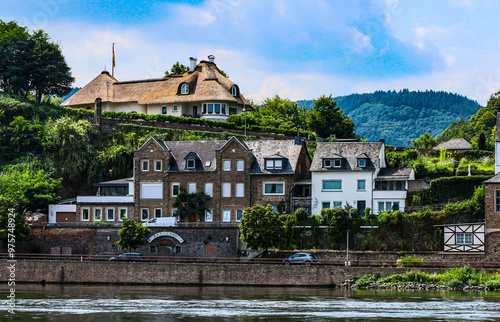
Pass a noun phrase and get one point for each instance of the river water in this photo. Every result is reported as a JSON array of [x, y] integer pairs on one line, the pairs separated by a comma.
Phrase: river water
[[181, 303]]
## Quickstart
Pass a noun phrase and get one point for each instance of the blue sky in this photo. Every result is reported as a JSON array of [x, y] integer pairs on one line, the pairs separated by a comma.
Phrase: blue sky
[[296, 49]]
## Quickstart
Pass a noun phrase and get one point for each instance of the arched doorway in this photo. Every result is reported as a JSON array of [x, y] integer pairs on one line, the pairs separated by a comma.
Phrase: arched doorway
[[165, 248]]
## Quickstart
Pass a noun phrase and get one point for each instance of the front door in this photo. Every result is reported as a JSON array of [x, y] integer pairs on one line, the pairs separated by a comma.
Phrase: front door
[[195, 110], [192, 217], [165, 248], [361, 207]]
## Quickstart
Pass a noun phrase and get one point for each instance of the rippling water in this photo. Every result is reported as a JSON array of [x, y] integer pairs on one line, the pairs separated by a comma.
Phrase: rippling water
[[161, 303]]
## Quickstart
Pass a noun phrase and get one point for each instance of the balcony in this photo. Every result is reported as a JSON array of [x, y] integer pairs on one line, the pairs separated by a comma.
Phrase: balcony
[[104, 199]]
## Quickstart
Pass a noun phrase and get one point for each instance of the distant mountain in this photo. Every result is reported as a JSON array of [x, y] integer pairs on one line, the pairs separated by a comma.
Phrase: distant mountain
[[399, 117]]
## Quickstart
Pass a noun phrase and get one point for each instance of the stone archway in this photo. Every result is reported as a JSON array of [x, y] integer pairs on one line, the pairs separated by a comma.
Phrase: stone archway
[[165, 248]]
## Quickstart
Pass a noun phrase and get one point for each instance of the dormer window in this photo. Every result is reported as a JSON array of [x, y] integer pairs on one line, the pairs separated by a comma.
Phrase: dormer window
[[190, 164], [274, 164], [185, 89], [332, 163], [361, 163], [234, 90]]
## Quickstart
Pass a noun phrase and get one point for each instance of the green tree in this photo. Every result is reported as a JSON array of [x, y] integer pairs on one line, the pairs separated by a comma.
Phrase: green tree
[[191, 203], [326, 119], [177, 69], [132, 235], [425, 141], [261, 228], [16, 226]]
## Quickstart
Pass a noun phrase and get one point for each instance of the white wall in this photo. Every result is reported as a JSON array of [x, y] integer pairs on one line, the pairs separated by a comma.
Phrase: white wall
[[124, 107], [54, 209], [349, 192]]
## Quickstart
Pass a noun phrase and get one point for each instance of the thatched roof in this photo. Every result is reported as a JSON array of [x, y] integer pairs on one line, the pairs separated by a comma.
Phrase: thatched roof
[[454, 144], [206, 83]]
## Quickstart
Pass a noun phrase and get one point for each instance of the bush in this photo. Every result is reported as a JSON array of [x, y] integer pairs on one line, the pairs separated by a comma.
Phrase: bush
[[454, 282], [365, 280], [409, 261], [492, 284]]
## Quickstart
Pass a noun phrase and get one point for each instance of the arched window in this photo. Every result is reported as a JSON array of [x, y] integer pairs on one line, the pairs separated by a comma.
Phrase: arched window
[[185, 89], [234, 90]]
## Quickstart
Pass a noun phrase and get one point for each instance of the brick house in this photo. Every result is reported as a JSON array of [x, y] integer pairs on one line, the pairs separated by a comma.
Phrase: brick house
[[235, 174]]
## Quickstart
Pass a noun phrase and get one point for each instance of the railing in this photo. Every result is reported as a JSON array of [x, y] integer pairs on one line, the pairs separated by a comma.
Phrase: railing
[[254, 261]]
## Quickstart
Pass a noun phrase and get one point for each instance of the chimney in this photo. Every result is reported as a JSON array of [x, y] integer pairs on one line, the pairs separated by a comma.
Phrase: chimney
[[192, 63], [211, 58]]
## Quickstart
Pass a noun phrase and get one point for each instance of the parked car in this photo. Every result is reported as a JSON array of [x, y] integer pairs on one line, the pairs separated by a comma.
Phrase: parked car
[[127, 257], [53, 224], [301, 258], [162, 222]]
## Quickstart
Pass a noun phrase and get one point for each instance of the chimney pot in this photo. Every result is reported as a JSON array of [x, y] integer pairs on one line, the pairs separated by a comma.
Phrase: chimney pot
[[211, 58]]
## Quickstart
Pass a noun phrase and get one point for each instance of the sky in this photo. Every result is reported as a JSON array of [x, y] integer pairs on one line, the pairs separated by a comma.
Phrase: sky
[[297, 49]]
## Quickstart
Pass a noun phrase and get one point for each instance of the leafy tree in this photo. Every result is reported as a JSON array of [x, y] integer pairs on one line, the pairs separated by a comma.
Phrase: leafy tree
[[425, 141], [132, 235], [19, 229], [191, 203], [326, 119], [177, 69], [25, 136], [261, 228]]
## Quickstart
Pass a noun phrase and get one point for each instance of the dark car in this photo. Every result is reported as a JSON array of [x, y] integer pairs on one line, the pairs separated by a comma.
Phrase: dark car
[[127, 257], [301, 258]]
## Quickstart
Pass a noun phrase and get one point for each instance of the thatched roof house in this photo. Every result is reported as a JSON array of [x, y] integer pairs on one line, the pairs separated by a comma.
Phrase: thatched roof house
[[201, 92], [454, 145]]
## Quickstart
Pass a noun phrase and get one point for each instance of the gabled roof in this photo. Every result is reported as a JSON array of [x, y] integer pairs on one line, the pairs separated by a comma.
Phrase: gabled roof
[[348, 150], [454, 144], [204, 149], [263, 149], [494, 179], [160, 143], [205, 83]]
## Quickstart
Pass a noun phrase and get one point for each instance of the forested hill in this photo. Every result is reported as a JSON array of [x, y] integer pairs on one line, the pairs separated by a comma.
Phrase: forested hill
[[399, 117]]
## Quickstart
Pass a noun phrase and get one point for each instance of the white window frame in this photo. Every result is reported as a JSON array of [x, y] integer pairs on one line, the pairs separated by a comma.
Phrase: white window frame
[[174, 212], [175, 108], [191, 188], [463, 237], [209, 189], [191, 167], [327, 163], [120, 213], [237, 210], [240, 165], [100, 212], [144, 211], [273, 182], [234, 91], [337, 202], [209, 215], [164, 108], [107, 214], [322, 185], [273, 164], [335, 161], [88, 214], [361, 161], [226, 190], [184, 89], [359, 181], [228, 213], [158, 194], [240, 190], [156, 165], [145, 165], [156, 211], [178, 188], [326, 202], [226, 165]]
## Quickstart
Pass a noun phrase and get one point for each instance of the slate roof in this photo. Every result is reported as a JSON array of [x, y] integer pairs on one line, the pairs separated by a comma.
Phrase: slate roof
[[118, 182], [348, 150], [395, 172], [263, 149], [204, 149], [494, 179], [454, 144]]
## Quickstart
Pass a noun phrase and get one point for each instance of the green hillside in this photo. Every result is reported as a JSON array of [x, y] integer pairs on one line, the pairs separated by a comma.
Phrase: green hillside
[[399, 117]]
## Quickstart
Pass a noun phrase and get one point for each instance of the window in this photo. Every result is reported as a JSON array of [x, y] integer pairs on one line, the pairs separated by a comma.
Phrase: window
[[157, 212], [497, 200], [226, 190], [332, 184], [239, 165], [151, 191], [163, 110], [190, 163], [325, 205], [208, 214], [145, 165], [185, 89], [327, 163], [85, 212], [234, 90], [175, 189], [337, 204], [209, 189], [174, 212], [210, 108], [226, 215], [192, 188], [390, 185], [175, 108], [361, 184], [144, 214], [158, 165], [123, 213], [97, 214], [337, 163], [274, 188], [239, 214], [361, 163], [240, 190], [464, 238], [274, 163], [227, 165], [388, 205], [217, 108], [110, 214]]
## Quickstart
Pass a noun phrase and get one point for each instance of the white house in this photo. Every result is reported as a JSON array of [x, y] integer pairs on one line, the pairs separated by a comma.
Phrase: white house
[[355, 174]]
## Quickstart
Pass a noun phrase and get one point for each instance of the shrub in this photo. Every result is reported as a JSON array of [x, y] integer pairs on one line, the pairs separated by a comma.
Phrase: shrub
[[472, 282], [409, 261], [454, 282], [492, 284], [365, 280]]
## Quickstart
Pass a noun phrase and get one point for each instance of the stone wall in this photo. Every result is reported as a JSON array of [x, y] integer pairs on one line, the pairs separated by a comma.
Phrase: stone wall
[[51, 271]]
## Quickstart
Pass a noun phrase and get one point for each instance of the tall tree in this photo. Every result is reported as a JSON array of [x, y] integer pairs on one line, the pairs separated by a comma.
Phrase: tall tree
[[132, 235], [261, 227], [191, 204], [425, 141], [177, 69], [326, 119]]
